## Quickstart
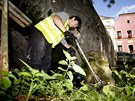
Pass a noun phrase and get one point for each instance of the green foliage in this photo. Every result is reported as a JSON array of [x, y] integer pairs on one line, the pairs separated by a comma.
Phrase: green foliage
[[5, 84], [71, 64], [30, 82], [126, 83], [110, 3], [110, 94]]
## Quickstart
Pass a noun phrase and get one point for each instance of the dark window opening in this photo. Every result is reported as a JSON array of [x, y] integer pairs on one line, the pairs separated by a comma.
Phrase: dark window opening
[[119, 48], [119, 34], [128, 21], [129, 32], [131, 48]]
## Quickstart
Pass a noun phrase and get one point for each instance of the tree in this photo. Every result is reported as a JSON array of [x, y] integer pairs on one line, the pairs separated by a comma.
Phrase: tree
[[110, 3]]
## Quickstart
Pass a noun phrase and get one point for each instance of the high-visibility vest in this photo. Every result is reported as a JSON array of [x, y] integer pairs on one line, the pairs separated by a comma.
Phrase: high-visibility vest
[[50, 31]]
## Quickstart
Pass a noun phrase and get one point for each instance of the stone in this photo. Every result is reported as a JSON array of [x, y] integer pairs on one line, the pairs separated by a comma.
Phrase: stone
[[100, 66]]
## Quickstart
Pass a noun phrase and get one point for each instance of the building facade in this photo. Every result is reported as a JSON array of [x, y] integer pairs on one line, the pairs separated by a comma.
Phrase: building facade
[[109, 22], [125, 33]]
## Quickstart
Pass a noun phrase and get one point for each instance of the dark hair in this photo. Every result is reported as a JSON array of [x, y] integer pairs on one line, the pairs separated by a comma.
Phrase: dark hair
[[79, 21]]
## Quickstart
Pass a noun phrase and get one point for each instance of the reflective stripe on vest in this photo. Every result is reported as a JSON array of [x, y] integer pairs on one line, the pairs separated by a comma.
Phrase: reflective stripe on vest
[[52, 34]]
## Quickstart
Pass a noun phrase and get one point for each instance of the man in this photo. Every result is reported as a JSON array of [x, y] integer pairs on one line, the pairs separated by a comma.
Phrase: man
[[46, 35]]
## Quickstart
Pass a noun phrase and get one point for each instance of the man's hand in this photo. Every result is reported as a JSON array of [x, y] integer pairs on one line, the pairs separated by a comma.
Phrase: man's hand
[[70, 36]]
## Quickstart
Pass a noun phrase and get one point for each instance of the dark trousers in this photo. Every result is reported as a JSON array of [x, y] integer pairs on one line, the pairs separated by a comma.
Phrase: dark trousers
[[39, 51]]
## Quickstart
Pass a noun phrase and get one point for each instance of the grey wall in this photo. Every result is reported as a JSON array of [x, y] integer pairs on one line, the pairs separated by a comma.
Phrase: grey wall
[[93, 34]]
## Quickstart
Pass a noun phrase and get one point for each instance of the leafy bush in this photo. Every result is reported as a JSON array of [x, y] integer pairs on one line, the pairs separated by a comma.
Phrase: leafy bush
[[30, 83]]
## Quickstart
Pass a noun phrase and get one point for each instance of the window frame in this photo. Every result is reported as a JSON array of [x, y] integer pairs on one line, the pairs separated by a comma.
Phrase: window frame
[[129, 33], [119, 34], [120, 48]]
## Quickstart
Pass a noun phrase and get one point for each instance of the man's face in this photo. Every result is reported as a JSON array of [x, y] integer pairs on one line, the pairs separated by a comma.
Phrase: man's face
[[73, 23]]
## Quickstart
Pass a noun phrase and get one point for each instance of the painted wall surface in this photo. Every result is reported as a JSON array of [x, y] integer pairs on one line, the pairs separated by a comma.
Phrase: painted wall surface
[[109, 22], [125, 22]]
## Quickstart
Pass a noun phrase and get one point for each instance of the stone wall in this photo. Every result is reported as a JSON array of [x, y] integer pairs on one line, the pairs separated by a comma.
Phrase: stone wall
[[94, 37]]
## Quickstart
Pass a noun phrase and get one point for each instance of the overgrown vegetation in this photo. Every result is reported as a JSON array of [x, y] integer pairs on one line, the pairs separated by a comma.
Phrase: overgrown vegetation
[[30, 84]]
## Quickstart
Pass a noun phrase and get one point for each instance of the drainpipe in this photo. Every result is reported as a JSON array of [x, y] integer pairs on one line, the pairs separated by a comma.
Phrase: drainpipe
[[4, 66]]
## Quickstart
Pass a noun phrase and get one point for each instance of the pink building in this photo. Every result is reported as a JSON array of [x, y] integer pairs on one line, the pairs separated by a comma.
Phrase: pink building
[[125, 33]]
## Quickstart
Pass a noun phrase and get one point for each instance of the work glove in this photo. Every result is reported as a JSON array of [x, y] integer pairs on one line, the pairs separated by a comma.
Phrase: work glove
[[70, 36]]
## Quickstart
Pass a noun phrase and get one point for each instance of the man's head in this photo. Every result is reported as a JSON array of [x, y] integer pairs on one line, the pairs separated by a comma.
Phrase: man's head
[[75, 22]]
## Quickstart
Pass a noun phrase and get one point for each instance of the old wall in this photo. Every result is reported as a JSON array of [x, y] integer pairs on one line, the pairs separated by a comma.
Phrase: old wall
[[93, 34]]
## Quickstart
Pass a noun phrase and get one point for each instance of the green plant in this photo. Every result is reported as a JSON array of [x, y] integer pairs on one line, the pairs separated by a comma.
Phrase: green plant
[[69, 62], [34, 79], [59, 86], [110, 95], [125, 85], [5, 84]]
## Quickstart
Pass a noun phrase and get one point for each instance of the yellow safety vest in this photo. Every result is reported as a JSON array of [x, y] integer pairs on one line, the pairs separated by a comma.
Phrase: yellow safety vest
[[50, 31]]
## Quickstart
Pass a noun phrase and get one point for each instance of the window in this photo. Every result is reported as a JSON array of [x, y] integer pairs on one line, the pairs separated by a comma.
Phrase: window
[[119, 34], [131, 48], [129, 32], [128, 21], [107, 22], [119, 48]]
